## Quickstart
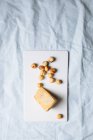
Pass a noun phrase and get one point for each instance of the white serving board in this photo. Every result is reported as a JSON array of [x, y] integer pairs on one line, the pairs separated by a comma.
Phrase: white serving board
[[32, 110]]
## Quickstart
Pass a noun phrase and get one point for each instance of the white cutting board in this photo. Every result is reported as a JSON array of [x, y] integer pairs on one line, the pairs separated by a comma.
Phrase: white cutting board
[[32, 110]]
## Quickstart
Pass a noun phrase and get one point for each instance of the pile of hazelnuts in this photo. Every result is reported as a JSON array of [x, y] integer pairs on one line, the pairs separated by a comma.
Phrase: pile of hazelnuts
[[46, 69]]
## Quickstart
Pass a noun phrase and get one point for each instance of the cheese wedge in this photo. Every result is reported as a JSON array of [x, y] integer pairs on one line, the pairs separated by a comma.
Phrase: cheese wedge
[[45, 99]]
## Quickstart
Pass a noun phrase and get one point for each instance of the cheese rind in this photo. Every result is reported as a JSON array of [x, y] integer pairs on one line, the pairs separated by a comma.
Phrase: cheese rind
[[45, 99]]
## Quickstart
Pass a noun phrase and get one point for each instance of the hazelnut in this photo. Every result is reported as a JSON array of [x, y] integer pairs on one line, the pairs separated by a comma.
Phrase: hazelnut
[[40, 84], [50, 75], [45, 63], [53, 70], [59, 116], [51, 80], [42, 72], [51, 59], [41, 77], [47, 68], [41, 67], [59, 82], [34, 65]]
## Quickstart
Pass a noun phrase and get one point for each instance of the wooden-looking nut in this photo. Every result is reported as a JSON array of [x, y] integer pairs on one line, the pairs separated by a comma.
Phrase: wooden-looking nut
[[51, 80], [58, 82], [50, 75], [51, 59], [47, 68], [41, 67], [34, 65], [53, 70], [59, 116], [42, 72], [41, 77], [45, 63], [40, 85]]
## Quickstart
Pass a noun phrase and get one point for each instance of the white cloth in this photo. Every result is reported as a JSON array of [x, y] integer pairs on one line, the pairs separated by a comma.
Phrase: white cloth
[[46, 25]]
